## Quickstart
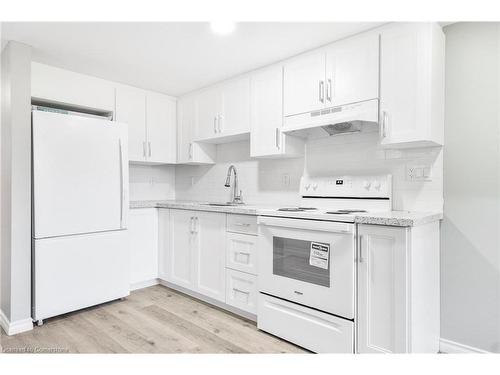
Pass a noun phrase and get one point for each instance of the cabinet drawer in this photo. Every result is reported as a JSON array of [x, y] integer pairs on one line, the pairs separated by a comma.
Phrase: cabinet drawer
[[241, 290], [311, 329], [242, 224], [241, 252]]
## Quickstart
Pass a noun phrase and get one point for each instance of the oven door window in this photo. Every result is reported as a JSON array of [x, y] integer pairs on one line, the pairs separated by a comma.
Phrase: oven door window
[[292, 258]]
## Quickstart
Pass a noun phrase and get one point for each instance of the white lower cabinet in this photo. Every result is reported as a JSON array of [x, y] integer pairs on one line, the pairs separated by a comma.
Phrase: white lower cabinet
[[209, 255], [241, 252], [398, 289], [241, 290], [195, 256], [143, 241]]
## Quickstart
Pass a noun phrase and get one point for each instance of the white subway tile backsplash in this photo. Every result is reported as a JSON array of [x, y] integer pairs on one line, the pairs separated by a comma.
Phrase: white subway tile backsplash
[[263, 181]]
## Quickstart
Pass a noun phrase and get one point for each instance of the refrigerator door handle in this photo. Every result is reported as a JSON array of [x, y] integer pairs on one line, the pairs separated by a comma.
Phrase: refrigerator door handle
[[122, 186]]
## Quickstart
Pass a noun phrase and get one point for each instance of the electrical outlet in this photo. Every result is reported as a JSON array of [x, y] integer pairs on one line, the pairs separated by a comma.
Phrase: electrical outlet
[[416, 172], [192, 181]]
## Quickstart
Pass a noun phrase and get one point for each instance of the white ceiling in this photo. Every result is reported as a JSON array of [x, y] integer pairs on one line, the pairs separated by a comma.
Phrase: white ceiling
[[171, 57]]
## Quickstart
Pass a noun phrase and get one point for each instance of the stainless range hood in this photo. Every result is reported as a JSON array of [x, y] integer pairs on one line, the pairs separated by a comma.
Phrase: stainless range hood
[[346, 119]]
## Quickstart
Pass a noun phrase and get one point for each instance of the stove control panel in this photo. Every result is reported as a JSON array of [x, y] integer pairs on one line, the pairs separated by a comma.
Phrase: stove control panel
[[379, 186]]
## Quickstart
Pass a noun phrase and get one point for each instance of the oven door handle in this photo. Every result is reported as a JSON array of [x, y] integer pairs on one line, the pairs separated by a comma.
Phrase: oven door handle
[[313, 225]]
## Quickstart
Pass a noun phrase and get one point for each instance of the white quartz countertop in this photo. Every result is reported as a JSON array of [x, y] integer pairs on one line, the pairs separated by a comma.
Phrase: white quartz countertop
[[391, 218]]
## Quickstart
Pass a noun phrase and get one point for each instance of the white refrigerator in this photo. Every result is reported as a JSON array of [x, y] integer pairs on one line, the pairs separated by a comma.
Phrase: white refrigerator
[[80, 203]]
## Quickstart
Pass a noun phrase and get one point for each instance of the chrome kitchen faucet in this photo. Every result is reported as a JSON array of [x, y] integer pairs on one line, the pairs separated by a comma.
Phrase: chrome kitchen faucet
[[236, 197]]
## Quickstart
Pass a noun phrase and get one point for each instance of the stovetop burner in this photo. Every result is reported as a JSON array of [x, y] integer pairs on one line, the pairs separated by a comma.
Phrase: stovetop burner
[[345, 212], [297, 209]]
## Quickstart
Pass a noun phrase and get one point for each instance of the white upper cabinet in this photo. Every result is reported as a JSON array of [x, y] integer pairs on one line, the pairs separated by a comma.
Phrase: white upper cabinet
[[161, 128], [189, 151], [62, 86], [131, 110], [412, 85], [223, 111], [352, 70], [304, 83], [208, 113], [151, 120], [235, 103], [266, 116]]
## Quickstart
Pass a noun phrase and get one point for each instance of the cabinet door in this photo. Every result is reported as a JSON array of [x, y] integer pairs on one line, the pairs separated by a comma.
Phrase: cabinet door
[[131, 110], [266, 112], [209, 254], [143, 240], [208, 111], [403, 79], [382, 323], [163, 243], [235, 102], [181, 242], [352, 70], [161, 128], [186, 113], [304, 83]]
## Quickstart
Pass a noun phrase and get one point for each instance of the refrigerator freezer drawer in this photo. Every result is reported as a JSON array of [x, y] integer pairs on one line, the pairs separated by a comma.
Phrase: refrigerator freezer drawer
[[311, 329], [75, 272]]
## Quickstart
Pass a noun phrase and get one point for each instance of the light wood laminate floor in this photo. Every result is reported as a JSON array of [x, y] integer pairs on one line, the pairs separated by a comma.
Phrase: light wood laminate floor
[[151, 320]]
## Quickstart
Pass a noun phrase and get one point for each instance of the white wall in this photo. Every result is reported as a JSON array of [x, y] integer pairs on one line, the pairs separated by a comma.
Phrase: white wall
[[16, 185], [262, 180], [151, 182], [470, 263]]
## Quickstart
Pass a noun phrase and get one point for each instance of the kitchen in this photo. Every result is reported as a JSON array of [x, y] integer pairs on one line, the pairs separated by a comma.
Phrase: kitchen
[[296, 206]]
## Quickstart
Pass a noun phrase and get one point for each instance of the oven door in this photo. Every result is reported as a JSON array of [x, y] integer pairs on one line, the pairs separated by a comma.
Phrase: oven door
[[308, 262]]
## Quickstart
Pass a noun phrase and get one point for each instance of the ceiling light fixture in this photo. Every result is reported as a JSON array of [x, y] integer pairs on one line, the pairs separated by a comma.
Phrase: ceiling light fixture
[[222, 27]]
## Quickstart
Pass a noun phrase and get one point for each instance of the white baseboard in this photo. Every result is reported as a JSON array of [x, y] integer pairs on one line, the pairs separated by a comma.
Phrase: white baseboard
[[12, 328], [144, 284], [452, 347]]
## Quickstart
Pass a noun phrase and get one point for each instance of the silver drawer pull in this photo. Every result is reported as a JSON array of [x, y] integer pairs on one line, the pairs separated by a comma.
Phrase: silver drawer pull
[[241, 291], [243, 253], [242, 224]]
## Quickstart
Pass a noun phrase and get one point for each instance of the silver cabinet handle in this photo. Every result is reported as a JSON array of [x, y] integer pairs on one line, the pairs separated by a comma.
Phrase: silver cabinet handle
[[329, 90], [196, 225], [278, 138], [190, 151], [215, 124], [149, 149], [241, 291], [242, 224], [322, 91], [191, 221], [219, 120], [144, 149], [360, 240], [383, 131]]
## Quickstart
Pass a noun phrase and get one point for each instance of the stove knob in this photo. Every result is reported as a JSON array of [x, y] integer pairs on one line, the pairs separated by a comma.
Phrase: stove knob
[[377, 185], [308, 186], [366, 184], [315, 186]]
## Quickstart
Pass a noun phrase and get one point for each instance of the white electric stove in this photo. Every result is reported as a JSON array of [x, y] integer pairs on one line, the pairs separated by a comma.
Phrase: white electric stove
[[307, 261], [338, 198]]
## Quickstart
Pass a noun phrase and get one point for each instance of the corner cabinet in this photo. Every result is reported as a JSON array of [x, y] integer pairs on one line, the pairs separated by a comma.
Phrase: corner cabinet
[[398, 289], [151, 120], [412, 85], [195, 252], [266, 117]]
